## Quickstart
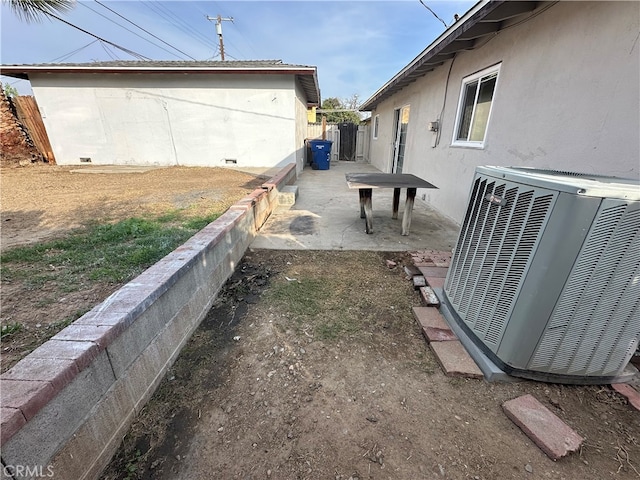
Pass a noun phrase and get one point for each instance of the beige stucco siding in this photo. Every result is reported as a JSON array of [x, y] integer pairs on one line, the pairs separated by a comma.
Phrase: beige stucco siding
[[567, 98], [194, 120], [301, 126]]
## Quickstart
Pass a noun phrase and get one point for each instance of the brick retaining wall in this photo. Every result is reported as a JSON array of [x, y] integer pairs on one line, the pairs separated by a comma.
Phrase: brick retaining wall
[[67, 405]]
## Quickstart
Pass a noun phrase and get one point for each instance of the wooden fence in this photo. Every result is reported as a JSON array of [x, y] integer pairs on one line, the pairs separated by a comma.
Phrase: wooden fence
[[29, 116]]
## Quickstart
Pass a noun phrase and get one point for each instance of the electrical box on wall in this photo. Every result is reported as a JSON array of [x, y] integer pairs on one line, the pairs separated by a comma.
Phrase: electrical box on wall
[[433, 126]]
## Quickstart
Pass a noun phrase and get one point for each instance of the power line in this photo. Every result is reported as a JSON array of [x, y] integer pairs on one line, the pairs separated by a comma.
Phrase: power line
[[146, 31], [177, 23], [189, 31], [62, 58], [126, 50], [104, 47], [127, 29], [190, 27], [434, 13]]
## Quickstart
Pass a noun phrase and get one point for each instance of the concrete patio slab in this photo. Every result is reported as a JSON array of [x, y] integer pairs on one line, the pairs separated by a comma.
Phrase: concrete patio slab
[[326, 216]]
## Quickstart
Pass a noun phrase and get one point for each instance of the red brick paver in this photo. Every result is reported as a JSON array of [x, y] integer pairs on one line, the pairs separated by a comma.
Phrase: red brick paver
[[438, 258], [82, 353], [435, 282], [58, 372], [11, 421], [552, 435], [27, 396], [455, 360], [433, 272], [434, 326], [633, 397]]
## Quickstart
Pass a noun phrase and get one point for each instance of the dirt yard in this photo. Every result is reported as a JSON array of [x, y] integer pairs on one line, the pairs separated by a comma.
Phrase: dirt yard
[[40, 202], [310, 364]]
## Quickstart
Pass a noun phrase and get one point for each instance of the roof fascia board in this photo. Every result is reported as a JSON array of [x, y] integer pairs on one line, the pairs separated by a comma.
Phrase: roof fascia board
[[457, 26]]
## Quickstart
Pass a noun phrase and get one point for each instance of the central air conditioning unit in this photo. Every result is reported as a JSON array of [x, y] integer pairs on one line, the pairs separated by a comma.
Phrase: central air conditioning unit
[[545, 276]]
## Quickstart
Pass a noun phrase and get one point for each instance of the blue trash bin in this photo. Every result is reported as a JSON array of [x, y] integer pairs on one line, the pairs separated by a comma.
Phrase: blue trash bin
[[320, 154]]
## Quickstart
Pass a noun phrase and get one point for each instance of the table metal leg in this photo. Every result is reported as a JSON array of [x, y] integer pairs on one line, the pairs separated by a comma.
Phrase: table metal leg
[[408, 208], [396, 203], [361, 195], [365, 202]]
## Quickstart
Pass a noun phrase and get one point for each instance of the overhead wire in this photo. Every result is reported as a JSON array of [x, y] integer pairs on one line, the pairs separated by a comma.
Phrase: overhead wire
[[433, 13], [127, 29], [62, 58], [188, 29], [215, 53], [112, 56], [119, 47], [144, 30]]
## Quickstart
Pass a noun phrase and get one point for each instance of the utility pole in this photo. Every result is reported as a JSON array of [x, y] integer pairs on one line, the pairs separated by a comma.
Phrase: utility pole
[[219, 21]]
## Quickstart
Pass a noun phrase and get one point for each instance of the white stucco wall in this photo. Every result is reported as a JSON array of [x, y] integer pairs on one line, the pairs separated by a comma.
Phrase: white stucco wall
[[567, 98], [193, 120], [301, 126]]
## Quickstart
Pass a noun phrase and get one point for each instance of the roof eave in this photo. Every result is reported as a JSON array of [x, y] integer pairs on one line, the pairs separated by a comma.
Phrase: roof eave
[[312, 89], [25, 70], [476, 23]]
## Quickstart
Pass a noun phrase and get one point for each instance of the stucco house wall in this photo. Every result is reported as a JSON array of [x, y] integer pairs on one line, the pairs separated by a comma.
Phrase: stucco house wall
[[567, 98], [301, 127], [156, 119]]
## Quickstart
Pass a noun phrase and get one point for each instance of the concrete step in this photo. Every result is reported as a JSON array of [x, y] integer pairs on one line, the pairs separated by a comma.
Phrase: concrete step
[[287, 196]]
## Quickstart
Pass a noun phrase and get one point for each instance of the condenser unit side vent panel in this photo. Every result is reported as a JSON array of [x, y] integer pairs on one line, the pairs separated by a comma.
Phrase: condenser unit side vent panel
[[494, 250], [594, 327], [545, 275]]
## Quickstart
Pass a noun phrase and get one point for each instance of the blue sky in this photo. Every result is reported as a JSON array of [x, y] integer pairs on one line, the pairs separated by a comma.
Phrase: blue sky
[[357, 46]]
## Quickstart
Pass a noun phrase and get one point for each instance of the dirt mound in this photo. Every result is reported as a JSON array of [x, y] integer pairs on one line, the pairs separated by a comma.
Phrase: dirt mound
[[16, 148]]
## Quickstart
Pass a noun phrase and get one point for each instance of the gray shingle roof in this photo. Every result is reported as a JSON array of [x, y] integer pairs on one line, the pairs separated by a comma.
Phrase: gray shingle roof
[[175, 64]]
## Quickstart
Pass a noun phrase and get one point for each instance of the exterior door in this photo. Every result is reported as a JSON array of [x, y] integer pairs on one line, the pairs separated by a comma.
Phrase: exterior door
[[401, 123]]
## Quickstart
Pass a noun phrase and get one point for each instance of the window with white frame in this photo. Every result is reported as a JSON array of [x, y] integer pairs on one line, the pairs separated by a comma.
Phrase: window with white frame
[[474, 109], [376, 123]]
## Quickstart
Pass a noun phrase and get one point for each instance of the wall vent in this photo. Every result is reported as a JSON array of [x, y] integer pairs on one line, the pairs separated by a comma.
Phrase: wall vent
[[545, 277], [85, 159]]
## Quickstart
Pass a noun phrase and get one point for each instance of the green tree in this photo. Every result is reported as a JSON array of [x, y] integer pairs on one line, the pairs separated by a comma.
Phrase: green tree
[[36, 10], [340, 110], [9, 91]]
